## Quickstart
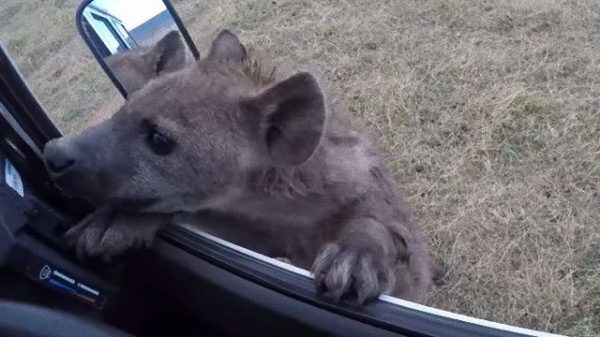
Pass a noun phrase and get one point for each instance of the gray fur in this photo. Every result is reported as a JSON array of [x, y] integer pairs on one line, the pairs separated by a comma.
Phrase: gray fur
[[263, 162]]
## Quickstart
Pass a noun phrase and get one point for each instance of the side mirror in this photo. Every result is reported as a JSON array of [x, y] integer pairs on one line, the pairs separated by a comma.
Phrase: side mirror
[[135, 40]]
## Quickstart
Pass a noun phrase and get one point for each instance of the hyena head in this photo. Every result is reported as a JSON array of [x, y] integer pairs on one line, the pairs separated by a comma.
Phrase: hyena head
[[185, 139]]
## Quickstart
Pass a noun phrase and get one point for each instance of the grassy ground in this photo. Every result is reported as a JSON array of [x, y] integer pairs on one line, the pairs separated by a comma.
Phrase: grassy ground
[[489, 111]]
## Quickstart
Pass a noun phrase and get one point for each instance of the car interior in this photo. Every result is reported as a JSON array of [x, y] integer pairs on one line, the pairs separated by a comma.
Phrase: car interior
[[188, 283]]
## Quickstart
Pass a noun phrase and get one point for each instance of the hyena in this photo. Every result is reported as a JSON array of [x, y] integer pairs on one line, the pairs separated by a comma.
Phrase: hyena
[[265, 162]]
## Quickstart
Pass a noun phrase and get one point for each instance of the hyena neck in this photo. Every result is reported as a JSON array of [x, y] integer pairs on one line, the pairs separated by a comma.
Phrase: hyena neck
[[342, 173], [286, 183]]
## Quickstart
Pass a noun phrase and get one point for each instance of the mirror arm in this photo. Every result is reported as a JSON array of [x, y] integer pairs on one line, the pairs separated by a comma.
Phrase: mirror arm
[[182, 29]]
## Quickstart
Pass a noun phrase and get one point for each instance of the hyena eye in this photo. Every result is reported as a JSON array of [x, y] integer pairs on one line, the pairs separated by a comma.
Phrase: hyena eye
[[159, 143]]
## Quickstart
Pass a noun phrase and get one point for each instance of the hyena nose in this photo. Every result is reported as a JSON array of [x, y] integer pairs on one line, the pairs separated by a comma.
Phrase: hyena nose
[[57, 158]]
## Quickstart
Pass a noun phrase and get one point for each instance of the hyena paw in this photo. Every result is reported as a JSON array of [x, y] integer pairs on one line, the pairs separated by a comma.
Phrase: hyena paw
[[355, 274], [99, 235], [284, 260]]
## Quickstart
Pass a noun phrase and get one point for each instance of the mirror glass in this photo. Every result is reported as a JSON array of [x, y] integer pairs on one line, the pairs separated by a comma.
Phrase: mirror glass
[[127, 36]]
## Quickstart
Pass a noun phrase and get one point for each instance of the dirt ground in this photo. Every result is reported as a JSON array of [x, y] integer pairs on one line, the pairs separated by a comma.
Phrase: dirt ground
[[488, 111]]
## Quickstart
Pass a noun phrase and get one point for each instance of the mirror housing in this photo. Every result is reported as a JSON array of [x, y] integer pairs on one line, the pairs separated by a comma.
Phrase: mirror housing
[[127, 35]]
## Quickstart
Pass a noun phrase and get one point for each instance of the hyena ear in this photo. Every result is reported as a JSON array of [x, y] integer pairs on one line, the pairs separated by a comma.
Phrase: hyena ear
[[136, 67], [227, 47], [289, 119], [168, 55]]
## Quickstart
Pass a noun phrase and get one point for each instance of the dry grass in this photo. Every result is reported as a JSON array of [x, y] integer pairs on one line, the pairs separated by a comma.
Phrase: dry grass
[[487, 109], [41, 36]]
